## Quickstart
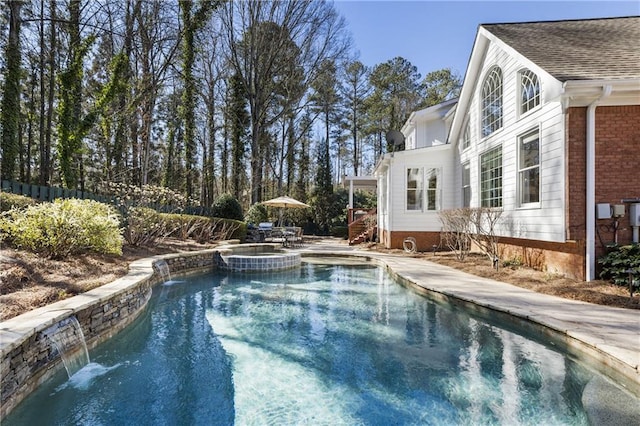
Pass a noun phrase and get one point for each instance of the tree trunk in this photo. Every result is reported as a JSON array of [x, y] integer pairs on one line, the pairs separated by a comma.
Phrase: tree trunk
[[10, 119], [47, 172], [116, 160], [42, 178]]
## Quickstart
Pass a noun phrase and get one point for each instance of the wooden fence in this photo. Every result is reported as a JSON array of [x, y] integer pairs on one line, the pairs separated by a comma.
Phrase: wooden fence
[[50, 193]]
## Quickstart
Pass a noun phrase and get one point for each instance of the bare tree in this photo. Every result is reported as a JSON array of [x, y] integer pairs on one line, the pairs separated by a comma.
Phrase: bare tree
[[158, 47], [457, 230], [484, 221], [355, 89], [264, 39]]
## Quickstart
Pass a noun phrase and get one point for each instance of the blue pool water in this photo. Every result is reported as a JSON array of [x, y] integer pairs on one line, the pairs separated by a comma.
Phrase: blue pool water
[[323, 344]]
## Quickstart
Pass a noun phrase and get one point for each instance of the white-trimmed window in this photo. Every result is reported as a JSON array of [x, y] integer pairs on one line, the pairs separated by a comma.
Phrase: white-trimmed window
[[492, 102], [491, 178], [529, 91], [423, 189], [529, 167], [415, 185], [466, 185], [466, 137]]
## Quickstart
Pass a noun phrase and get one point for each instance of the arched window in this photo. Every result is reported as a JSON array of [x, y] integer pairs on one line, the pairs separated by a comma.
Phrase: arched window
[[466, 137], [492, 102], [529, 91]]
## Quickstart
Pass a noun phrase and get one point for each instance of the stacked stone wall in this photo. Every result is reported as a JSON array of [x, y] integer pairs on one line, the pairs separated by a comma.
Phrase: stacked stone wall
[[29, 358]]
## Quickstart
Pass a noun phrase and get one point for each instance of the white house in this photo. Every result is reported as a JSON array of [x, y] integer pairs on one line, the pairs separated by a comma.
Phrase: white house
[[414, 184], [546, 128]]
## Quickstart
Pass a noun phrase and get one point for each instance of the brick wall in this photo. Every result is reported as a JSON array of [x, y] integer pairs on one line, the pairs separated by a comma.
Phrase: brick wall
[[424, 240], [562, 258], [617, 169]]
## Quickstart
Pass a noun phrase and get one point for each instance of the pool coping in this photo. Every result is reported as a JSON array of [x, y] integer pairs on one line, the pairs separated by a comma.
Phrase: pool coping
[[608, 336]]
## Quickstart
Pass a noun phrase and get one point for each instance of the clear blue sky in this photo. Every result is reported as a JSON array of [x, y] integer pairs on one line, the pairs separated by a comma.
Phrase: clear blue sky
[[440, 34]]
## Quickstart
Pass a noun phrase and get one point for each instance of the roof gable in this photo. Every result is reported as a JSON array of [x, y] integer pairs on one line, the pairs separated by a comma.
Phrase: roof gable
[[579, 49], [572, 51]]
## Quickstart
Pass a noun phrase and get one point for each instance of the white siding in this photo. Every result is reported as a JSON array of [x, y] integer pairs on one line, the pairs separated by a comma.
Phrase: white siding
[[431, 133], [434, 157], [546, 220]]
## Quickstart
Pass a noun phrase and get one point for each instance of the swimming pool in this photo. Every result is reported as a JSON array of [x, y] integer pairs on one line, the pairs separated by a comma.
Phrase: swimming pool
[[323, 344]]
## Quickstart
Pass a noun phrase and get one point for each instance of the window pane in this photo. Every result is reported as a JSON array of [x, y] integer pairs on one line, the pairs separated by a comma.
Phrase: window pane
[[466, 185], [432, 189], [466, 138], [491, 178], [414, 189], [529, 91], [466, 196], [492, 102], [530, 186], [529, 168]]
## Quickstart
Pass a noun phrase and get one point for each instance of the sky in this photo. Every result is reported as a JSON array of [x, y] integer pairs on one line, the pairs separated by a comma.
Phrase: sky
[[439, 34]]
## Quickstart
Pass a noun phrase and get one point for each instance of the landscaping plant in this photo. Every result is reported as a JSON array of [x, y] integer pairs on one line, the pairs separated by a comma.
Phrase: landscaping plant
[[621, 265], [228, 207], [10, 201], [64, 227]]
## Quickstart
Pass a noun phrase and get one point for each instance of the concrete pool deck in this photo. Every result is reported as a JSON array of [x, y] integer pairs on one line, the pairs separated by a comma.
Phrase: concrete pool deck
[[610, 335]]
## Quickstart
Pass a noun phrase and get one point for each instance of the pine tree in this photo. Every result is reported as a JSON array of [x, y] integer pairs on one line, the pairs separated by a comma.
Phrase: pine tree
[[239, 122], [323, 191]]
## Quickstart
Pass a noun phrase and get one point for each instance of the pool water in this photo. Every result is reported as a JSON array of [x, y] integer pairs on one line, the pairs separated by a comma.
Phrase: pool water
[[322, 344]]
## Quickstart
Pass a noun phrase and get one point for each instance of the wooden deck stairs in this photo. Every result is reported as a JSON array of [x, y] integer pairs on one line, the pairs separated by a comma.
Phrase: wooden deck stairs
[[359, 232]]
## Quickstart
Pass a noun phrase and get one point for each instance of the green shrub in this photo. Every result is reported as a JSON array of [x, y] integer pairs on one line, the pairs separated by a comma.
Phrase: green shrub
[[144, 227], [202, 229], [618, 261], [227, 207], [10, 201], [340, 232], [256, 214], [236, 229], [64, 227]]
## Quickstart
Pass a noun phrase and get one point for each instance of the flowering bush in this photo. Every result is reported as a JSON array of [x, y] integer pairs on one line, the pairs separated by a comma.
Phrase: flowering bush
[[64, 227], [145, 196]]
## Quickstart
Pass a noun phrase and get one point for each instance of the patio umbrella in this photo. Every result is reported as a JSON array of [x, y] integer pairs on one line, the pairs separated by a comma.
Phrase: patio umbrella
[[285, 202]]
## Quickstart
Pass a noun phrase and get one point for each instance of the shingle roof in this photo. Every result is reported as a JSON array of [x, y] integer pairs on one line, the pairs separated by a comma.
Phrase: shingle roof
[[591, 49]]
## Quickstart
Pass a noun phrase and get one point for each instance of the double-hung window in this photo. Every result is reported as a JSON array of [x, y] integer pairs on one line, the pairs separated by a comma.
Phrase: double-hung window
[[423, 189], [529, 167], [491, 178]]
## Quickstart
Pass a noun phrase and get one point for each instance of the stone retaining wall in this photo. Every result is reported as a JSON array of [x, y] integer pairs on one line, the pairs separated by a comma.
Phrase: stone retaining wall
[[28, 357]]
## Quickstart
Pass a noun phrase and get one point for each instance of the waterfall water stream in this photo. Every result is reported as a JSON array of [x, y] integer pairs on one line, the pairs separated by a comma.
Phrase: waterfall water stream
[[68, 339]]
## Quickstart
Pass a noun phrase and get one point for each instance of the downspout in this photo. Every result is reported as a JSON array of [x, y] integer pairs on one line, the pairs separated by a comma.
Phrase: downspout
[[591, 184]]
